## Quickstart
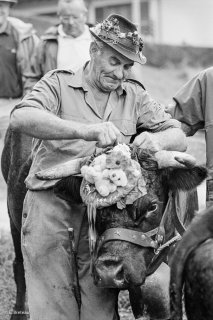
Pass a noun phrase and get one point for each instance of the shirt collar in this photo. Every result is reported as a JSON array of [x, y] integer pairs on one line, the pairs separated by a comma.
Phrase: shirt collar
[[61, 32], [8, 29], [121, 90], [78, 81]]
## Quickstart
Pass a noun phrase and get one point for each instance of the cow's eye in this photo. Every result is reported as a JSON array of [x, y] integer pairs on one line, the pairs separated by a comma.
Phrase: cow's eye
[[152, 209]]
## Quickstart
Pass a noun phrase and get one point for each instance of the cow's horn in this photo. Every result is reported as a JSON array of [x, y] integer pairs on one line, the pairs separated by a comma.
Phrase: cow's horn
[[174, 159], [66, 169]]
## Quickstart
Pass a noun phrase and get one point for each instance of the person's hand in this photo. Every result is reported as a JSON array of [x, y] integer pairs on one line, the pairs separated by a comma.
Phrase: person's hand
[[106, 134], [147, 140]]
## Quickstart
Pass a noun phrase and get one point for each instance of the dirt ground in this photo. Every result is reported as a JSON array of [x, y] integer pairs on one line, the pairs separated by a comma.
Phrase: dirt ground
[[162, 85]]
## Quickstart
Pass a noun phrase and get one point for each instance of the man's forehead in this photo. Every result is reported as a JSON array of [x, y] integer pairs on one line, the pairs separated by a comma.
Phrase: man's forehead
[[71, 8]]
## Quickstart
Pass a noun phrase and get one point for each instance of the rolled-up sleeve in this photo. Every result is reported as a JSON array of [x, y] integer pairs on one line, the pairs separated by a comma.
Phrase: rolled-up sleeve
[[194, 100], [152, 115], [192, 104], [45, 95]]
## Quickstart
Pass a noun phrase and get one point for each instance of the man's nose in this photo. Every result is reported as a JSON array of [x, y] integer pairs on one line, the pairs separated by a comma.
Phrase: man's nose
[[119, 72], [71, 20]]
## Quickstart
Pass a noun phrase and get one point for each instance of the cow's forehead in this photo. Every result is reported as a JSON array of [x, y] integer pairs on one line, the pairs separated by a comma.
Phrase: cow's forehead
[[153, 180]]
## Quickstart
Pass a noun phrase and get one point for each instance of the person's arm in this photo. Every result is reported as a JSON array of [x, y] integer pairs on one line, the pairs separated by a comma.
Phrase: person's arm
[[193, 107], [47, 126], [30, 69], [36, 115], [172, 139], [163, 132], [192, 104]]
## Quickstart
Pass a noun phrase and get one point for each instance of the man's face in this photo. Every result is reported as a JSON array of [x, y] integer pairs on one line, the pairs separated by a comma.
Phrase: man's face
[[4, 12], [110, 69], [73, 19]]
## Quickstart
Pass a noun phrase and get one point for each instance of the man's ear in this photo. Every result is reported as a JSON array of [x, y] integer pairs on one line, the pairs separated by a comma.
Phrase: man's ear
[[84, 16], [94, 49]]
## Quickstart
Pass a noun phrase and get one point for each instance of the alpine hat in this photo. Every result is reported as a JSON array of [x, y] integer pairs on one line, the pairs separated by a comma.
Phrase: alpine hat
[[122, 35]]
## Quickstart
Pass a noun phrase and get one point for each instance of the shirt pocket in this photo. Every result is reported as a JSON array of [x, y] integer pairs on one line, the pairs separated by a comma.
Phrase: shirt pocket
[[126, 127]]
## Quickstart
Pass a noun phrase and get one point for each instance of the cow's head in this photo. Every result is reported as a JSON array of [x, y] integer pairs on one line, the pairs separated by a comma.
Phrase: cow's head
[[124, 263]]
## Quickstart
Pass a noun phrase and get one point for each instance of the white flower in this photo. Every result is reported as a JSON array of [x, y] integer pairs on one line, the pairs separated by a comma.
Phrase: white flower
[[124, 149], [97, 29]]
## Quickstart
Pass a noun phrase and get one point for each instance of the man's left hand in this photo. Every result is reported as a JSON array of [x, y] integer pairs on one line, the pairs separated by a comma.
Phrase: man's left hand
[[147, 140]]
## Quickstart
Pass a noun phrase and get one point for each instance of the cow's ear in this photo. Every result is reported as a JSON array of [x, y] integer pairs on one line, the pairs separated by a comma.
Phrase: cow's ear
[[186, 179], [69, 189]]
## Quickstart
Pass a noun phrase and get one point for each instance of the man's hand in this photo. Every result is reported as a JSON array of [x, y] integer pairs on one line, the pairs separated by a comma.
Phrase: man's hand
[[172, 139], [147, 140], [106, 134]]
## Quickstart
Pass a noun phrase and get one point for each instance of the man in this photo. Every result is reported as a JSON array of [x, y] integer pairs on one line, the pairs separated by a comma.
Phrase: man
[[18, 42], [192, 106], [75, 115], [66, 46]]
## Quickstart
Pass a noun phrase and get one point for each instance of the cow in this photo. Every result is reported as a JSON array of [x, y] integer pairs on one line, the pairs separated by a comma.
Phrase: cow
[[145, 217], [192, 268], [129, 240]]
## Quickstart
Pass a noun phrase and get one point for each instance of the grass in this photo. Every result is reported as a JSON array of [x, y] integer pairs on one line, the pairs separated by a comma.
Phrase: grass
[[162, 85], [7, 285]]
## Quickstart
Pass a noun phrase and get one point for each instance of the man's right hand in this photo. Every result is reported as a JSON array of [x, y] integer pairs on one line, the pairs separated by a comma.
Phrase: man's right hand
[[105, 133]]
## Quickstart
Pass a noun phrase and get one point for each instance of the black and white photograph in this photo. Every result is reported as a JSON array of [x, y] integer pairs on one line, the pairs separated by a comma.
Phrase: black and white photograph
[[106, 151]]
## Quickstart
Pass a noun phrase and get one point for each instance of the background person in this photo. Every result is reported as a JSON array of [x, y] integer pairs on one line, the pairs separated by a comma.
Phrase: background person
[[18, 42], [74, 115], [193, 106], [66, 46]]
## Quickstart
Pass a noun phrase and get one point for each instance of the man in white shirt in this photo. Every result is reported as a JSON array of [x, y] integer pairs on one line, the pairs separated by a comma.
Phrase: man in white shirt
[[66, 46]]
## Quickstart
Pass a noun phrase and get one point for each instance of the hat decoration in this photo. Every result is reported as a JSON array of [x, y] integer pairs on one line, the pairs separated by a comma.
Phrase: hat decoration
[[109, 30], [122, 35]]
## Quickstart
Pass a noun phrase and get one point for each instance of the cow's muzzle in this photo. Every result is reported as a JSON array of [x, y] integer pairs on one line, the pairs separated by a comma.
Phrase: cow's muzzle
[[109, 273], [113, 272]]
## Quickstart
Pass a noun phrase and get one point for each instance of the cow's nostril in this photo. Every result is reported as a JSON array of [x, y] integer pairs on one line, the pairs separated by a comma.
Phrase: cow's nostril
[[110, 263], [109, 273], [120, 274]]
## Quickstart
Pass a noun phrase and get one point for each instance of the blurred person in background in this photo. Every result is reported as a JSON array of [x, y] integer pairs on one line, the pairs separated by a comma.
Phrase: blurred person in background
[[66, 46], [18, 42], [193, 106]]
